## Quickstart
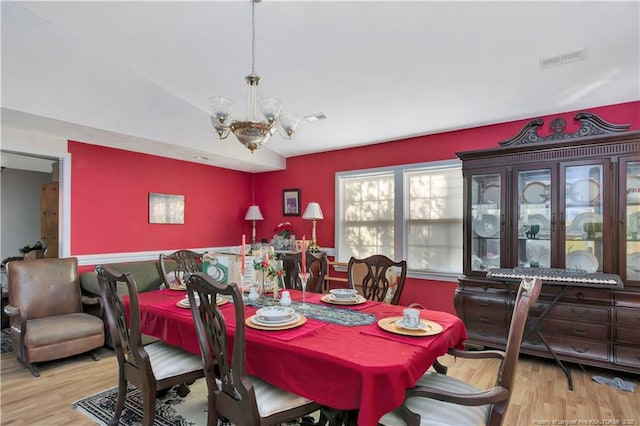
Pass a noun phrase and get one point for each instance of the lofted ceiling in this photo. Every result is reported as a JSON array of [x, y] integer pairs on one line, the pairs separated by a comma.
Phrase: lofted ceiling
[[138, 75]]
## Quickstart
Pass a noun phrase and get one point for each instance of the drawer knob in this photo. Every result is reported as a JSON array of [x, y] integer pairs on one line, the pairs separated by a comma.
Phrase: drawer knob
[[579, 332], [483, 303], [484, 318], [580, 351]]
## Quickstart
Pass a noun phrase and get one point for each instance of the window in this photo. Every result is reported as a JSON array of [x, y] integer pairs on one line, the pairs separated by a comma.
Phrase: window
[[409, 212]]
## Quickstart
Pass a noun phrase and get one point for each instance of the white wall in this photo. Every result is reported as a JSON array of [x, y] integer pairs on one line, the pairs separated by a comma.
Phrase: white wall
[[20, 209]]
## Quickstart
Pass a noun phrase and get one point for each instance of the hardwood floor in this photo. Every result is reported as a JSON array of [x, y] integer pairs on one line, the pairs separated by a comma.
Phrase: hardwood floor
[[540, 397]]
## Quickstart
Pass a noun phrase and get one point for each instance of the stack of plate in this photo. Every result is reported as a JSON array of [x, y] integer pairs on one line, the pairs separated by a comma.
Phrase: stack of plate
[[275, 316]]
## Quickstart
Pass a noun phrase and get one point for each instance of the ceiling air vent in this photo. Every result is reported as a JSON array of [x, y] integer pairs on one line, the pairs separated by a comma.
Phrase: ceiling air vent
[[564, 58], [316, 117]]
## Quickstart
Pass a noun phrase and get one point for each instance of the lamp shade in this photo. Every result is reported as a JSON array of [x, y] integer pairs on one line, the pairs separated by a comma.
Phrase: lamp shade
[[313, 211], [254, 213]]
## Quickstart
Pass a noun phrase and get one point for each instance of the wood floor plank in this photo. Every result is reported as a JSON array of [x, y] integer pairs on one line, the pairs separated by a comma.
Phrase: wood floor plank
[[540, 394]]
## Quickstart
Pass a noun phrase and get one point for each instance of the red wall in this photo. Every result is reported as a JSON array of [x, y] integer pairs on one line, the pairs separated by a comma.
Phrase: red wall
[[109, 207], [315, 175], [109, 202]]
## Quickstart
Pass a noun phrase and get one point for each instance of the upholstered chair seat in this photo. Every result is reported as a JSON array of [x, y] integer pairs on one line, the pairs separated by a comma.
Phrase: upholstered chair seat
[[168, 361], [62, 336], [439, 413]]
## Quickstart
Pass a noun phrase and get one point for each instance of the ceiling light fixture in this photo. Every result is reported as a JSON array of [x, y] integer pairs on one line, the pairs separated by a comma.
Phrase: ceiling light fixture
[[252, 133]]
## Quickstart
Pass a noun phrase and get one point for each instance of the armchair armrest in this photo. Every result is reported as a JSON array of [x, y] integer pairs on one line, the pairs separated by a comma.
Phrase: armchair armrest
[[476, 354], [86, 300], [11, 310], [482, 397]]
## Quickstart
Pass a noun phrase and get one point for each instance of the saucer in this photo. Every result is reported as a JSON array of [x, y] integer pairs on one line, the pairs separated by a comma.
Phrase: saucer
[[184, 303], [421, 325]]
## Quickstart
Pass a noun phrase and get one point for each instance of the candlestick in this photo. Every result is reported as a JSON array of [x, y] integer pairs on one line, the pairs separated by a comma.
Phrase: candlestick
[[243, 266], [304, 254]]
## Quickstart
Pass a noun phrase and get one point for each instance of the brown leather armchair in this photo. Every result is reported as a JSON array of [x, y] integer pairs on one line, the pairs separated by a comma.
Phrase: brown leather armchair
[[45, 312]]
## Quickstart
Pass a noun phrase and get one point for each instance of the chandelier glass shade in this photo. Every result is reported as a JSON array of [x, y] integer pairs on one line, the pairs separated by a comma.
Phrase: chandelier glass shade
[[264, 116]]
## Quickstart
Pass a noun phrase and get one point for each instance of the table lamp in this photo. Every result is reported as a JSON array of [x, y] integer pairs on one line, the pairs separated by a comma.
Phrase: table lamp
[[253, 214], [313, 212]]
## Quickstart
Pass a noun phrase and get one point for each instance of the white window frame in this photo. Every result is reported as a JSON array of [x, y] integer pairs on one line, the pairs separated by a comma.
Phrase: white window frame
[[400, 210]]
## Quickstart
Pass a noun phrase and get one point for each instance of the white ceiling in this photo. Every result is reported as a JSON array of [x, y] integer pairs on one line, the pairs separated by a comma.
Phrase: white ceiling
[[138, 75]]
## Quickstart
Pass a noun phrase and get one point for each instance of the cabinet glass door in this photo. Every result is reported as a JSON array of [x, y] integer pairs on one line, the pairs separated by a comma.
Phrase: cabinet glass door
[[534, 218], [633, 221], [486, 224], [583, 213]]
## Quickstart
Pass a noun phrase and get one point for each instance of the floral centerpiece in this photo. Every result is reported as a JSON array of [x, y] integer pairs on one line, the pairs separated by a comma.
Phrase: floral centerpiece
[[284, 229], [270, 270], [284, 234]]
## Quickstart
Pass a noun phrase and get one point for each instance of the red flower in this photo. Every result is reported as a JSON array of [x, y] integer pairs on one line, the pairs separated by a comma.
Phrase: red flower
[[284, 229]]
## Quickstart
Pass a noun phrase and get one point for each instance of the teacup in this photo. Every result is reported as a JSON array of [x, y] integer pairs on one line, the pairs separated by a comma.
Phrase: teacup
[[411, 317]]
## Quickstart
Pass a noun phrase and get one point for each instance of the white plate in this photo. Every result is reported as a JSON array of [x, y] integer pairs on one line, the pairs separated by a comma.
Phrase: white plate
[[535, 193], [584, 191], [583, 260], [491, 194], [488, 226], [577, 224], [538, 219], [275, 314], [633, 188], [257, 320], [633, 266], [633, 223], [421, 325]]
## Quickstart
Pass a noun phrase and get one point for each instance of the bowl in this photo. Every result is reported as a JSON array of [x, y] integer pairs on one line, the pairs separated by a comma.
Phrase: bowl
[[275, 313], [343, 293]]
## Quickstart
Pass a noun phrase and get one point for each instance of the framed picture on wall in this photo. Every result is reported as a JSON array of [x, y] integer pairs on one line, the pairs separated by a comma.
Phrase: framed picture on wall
[[166, 208], [291, 202]]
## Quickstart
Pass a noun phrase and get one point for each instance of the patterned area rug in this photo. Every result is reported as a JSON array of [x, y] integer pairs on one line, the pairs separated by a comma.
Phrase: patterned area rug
[[6, 341], [171, 409]]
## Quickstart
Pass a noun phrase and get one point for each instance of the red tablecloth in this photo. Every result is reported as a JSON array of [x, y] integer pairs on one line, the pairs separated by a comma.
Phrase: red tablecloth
[[347, 368]]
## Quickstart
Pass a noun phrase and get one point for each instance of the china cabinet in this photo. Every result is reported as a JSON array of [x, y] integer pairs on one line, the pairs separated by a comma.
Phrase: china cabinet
[[567, 207]]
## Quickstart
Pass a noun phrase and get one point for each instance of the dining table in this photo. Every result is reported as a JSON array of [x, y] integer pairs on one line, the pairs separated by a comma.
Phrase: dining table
[[344, 356]]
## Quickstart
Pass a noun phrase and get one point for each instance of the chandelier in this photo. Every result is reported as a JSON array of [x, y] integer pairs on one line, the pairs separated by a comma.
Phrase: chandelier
[[254, 131]]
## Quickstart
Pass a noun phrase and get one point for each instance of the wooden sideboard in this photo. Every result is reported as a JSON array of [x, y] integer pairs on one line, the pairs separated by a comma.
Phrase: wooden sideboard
[[561, 183]]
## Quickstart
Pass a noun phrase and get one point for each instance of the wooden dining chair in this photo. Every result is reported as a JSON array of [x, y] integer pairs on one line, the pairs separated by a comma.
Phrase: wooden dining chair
[[150, 368], [183, 262], [444, 400], [242, 399], [377, 277], [316, 265]]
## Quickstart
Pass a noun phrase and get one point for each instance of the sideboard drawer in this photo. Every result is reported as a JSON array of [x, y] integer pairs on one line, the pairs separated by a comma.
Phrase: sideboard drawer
[[627, 316], [580, 313], [579, 348], [627, 355], [628, 335], [488, 332], [575, 329], [487, 310]]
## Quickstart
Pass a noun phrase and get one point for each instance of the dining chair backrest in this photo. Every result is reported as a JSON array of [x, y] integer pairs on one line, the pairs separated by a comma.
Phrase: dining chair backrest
[[377, 277], [233, 393], [316, 266], [186, 262], [527, 296], [127, 338]]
